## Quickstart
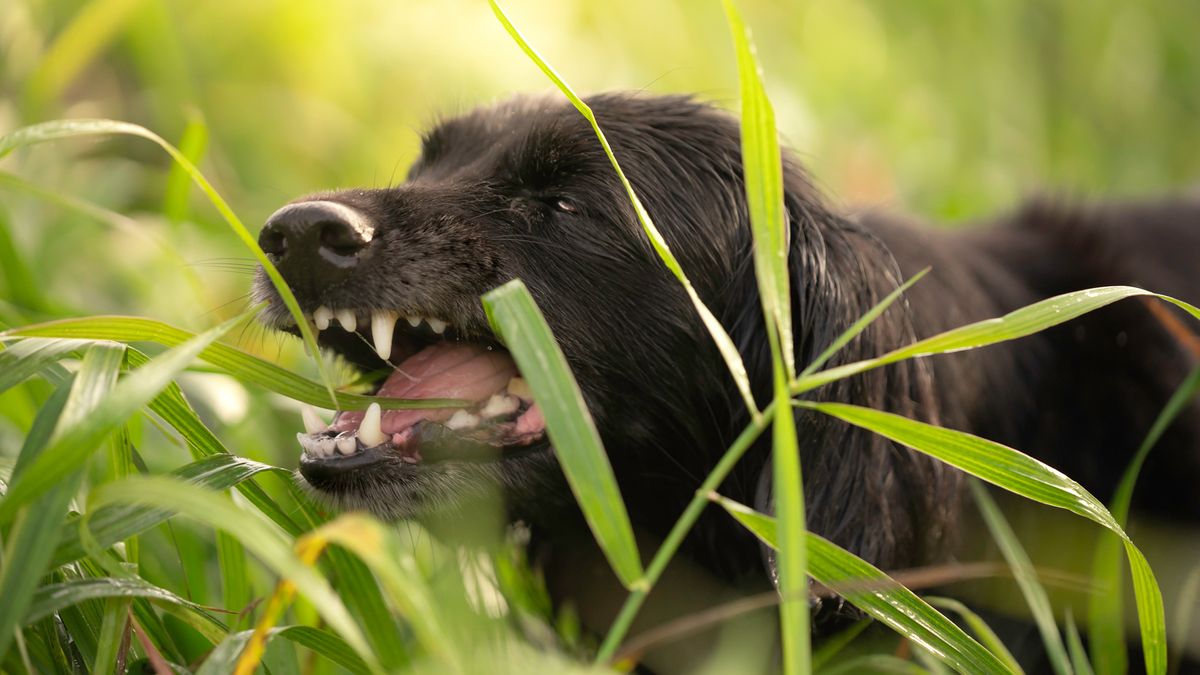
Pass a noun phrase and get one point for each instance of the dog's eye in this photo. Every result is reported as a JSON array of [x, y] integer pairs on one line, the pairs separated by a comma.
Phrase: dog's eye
[[565, 206]]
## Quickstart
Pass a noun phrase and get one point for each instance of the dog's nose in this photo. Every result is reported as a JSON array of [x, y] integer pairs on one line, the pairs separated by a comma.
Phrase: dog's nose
[[315, 243]]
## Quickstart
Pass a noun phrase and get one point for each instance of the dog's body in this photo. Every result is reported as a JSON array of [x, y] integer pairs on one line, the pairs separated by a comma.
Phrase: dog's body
[[524, 190]]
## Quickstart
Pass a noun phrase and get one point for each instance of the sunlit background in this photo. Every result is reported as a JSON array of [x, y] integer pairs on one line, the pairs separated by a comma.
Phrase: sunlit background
[[950, 110]]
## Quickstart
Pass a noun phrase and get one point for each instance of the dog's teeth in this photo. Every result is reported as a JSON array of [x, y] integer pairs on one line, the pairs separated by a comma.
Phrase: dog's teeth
[[461, 419], [437, 325], [326, 446], [322, 316], [346, 445], [499, 404], [383, 324], [347, 319], [520, 388], [307, 442], [413, 321], [370, 431], [312, 421]]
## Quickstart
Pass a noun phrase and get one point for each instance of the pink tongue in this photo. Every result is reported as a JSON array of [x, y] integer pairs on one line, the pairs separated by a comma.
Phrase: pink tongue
[[443, 370]]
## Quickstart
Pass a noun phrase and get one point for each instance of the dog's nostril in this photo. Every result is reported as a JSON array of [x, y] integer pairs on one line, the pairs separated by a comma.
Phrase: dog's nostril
[[339, 237], [272, 242], [316, 243]]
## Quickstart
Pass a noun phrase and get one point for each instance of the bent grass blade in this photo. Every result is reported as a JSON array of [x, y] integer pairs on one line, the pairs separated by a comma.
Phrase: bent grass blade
[[1019, 323], [879, 595], [245, 367], [733, 359], [62, 129], [515, 317], [1021, 474]]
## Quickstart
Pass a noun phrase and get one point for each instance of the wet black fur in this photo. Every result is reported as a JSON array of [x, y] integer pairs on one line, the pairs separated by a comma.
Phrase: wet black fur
[[481, 206]]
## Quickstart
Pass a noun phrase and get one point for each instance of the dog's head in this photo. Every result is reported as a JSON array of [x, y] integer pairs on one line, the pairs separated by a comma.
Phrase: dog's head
[[392, 278]]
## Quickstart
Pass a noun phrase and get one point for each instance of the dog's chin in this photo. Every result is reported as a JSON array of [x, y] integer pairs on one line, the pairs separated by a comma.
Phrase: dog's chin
[[381, 482]]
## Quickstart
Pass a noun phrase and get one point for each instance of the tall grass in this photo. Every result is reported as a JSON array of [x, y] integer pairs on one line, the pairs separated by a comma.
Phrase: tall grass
[[104, 553]]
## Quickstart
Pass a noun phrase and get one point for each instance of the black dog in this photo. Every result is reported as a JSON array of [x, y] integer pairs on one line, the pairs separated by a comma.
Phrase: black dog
[[524, 190]]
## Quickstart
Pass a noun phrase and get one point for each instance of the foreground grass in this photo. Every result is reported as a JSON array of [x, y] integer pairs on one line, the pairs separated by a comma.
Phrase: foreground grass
[[85, 577]]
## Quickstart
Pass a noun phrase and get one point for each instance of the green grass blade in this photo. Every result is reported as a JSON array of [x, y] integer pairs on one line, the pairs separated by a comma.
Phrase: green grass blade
[[396, 568], [61, 129], [173, 408], [733, 359], [762, 168], [74, 444], [1079, 657], [16, 279], [235, 362], [1018, 323], [119, 522], [876, 664], [214, 510], [52, 598], [235, 581], [112, 627], [835, 644], [1106, 630], [27, 357], [983, 632], [223, 659], [878, 595], [1019, 473], [859, 326], [192, 144], [792, 556], [35, 533], [363, 596], [1026, 576], [516, 318]]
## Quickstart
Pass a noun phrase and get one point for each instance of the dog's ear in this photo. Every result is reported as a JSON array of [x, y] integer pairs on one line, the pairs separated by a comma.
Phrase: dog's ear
[[888, 504]]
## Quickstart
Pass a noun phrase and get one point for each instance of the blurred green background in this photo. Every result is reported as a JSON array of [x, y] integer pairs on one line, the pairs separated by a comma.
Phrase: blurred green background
[[951, 110], [948, 109]]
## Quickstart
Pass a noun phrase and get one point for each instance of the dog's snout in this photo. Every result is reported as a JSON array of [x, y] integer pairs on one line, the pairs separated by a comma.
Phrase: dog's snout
[[317, 242]]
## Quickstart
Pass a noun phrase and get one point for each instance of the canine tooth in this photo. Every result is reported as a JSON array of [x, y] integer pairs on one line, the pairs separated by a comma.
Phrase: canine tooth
[[383, 324], [370, 431], [499, 404], [437, 325], [346, 445], [461, 419], [312, 421], [413, 321], [322, 316], [520, 388], [346, 318]]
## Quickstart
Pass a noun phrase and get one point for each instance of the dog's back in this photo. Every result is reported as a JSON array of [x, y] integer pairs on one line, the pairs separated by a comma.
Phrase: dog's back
[[1083, 395]]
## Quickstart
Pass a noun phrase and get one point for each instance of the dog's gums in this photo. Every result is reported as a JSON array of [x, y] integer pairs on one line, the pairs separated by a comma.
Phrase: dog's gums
[[428, 360]]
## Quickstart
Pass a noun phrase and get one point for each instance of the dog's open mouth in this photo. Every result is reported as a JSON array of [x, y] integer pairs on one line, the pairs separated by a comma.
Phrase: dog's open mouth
[[429, 360]]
